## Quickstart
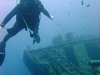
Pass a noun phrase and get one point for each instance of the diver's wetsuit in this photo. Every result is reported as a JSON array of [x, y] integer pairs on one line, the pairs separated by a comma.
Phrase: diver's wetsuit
[[30, 12]]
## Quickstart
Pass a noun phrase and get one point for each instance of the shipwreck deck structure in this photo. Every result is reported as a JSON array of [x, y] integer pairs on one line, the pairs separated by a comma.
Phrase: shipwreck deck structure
[[65, 59]]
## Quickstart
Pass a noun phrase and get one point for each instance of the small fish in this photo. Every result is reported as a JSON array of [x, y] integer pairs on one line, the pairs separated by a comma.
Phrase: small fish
[[68, 13], [82, 2], [71, 2], [59, 24], [82, 27], [90, 27], [85, 16], [15, 50], [88, 5]]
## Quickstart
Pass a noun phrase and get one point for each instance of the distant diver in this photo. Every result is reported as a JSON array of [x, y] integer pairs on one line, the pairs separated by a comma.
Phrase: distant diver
[[27, 17]]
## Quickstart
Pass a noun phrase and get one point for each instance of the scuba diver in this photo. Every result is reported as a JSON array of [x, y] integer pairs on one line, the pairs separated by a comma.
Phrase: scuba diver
[[27, 17]]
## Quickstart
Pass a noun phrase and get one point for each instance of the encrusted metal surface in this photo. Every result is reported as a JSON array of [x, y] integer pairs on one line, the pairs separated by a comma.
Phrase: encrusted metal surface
[[64, 59]]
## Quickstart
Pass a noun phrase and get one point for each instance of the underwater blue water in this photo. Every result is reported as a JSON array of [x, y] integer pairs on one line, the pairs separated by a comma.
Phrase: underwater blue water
[[69, 16]]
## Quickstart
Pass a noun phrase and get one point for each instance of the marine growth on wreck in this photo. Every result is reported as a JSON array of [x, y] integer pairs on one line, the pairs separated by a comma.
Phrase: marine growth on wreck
[[65, 57]]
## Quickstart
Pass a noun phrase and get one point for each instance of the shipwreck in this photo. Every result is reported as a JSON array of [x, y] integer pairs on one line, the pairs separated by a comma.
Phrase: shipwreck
[[71, 58]]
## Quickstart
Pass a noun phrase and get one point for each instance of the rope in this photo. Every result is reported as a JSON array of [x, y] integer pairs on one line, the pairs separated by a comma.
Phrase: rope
[[25, 23]]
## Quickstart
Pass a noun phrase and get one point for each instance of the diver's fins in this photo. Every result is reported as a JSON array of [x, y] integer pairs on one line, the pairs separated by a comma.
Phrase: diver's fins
[[2, 57], [2, 53]]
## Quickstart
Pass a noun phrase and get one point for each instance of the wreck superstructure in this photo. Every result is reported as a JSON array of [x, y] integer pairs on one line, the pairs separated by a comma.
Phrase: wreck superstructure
[[64, 59]]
